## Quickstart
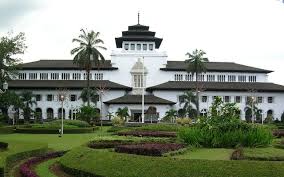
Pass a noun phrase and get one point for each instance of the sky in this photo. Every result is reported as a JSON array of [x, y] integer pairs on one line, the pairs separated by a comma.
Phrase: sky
[[249, 32]]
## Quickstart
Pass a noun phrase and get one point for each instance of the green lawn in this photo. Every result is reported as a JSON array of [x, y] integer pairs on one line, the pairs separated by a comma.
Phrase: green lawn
[[43, 168], [268, 153], [111, 164], [206, 153]]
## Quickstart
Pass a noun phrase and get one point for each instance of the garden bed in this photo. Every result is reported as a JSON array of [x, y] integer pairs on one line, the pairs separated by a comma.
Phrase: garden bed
[[26, 168], [141, 133], [278, 133], [102, 144], [149, 149], [84, 161]]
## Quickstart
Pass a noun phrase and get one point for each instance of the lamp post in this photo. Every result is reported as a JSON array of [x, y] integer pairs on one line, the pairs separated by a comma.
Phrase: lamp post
[[62, 113], [252, 109], [143, 96]]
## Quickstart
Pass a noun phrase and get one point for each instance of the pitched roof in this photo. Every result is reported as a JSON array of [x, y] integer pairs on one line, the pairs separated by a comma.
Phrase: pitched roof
[[68, 84], [220, 86], [215, 67], [137, 99], [62, 64]]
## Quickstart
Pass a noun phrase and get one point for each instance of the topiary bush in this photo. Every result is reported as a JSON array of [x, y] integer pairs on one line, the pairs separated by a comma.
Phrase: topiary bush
[[3, 145], [184, 121], [117, 121], [159, 127], [57, 124]]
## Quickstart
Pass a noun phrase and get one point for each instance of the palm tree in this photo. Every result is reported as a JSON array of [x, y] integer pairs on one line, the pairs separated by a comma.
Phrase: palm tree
[[122, 113], [94, 97], [196, 66], [88, 53], [188, 99], [27, 98], [171, 115]]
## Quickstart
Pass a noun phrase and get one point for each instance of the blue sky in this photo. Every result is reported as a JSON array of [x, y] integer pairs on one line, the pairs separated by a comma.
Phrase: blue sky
[[249, 32]]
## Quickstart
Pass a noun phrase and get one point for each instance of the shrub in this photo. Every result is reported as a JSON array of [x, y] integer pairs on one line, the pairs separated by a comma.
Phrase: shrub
[[88, 114], [183, 121], [25, 168], [150, 149], [3, 145], [238, 154], [117, 121], [227, 135], [101, 144], [57, 124], [159, 127], [141, 133]]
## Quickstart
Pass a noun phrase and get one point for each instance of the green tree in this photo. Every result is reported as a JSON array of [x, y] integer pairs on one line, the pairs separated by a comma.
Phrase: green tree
[[87, 53], [188, 100], [10, 49], [94, 97], [196, 66], [251, 109], [28, 100], [171, 115], [88, 114], [7, 99], [122, 113]]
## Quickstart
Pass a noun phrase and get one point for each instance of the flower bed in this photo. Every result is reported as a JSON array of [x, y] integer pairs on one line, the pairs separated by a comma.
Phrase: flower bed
[[25, 168], [278, 133], [3, 145], [148, 133], [101, 144], [149, 149]]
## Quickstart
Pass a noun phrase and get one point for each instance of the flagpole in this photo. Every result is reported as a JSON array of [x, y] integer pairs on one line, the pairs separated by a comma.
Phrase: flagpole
[[143, 83]]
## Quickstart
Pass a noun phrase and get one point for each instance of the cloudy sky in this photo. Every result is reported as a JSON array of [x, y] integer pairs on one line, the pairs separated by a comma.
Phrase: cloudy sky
[[249, 32]]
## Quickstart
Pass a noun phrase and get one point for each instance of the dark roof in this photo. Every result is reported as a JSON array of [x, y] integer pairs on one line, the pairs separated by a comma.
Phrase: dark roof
[[138, 33], [137, 99], [215, 66], [220, 86], [68, 84], [62, 64]]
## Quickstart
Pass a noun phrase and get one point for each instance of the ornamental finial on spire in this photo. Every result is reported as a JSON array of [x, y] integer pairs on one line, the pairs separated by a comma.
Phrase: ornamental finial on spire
[[138, 18]]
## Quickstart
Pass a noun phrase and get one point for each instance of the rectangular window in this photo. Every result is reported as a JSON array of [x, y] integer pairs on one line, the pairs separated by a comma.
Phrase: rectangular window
[[126, 46], [242, 78], [178, 77], [180, 99], [221, 78], [76, 76], [151, 47], [32, 76], [98, 76], [85, 76], [54, 76], [138, 46], [231, 78], [22, 76], [238, 99], [259, 99], [65, 76], [210, 78], [132, 46], [144, 46], [270, 99], [227, 99], [73, 97], [49, 97], [38, 97], [188, 77], [204, 99], [214, 97], [43, 76]]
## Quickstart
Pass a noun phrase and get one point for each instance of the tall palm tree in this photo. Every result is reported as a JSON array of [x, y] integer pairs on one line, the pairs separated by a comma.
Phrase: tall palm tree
[[188, 100], [94, 97], [196, 66], [171, 115], [122, 113], [27, 98], [87, 53]]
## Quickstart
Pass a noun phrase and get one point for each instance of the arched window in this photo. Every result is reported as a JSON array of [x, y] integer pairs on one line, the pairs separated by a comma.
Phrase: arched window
[[270, 113], [38, 114], [259, 116], [60, 113], [49, 113], [204, 112], [248, 115]]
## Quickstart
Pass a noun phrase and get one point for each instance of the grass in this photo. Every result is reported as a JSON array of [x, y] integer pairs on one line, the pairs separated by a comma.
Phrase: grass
[[206, 154], [111, 164], [42, 169], [269, 153]]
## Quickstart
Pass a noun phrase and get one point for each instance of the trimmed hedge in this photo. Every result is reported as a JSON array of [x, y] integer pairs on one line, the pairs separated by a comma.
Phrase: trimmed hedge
[[141, 133], [87, 162], [55, 131], [102, 144], [3, 145], [25, 168], [149, 149], [278, 133], [6, 130]]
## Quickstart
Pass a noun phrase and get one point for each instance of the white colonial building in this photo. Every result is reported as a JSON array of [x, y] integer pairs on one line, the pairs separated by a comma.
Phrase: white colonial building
[[165, 80]]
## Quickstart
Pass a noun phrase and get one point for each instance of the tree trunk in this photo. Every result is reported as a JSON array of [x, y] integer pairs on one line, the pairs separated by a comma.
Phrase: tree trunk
[[88, 87], [197, 94]]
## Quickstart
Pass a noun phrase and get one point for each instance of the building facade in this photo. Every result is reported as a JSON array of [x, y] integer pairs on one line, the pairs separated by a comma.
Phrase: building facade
[[137, 64]]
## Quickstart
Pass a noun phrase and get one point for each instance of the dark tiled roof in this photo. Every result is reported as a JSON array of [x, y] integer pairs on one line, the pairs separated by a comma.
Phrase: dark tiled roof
[[62, 64], [68, 84], [215, 66], [137, 99], [220, 86]]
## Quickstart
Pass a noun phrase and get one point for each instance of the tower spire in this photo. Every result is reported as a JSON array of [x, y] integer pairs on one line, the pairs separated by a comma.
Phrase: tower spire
[[138, 18]]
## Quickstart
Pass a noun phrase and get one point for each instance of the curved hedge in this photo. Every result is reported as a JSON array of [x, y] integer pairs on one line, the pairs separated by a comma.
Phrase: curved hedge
[[86, 162], [55, 131], [3, 145]]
